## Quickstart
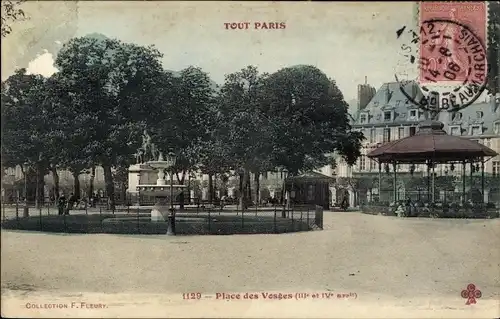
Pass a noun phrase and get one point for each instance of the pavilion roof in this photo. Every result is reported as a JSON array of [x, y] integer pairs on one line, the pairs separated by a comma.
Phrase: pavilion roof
[[431, 143], [311, 175]]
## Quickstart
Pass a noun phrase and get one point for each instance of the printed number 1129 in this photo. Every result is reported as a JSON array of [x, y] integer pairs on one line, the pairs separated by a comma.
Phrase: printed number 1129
[[191, 295]]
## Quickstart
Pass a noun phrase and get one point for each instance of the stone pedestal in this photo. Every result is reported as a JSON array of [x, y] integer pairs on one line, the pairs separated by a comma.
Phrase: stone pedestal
[[161, 210], [140, 174], [486, 196]]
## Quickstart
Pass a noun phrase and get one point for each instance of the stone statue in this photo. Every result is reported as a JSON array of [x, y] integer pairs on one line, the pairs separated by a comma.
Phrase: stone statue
[[154, 152], [149, 151], [139, 156], [146, 143]]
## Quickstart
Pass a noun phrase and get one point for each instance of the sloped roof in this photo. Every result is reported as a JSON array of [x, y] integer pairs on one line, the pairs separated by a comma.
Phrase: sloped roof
[[489, 115], [431, 143], [389, 97]]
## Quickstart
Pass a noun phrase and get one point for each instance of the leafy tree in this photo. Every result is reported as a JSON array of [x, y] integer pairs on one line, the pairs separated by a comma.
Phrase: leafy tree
[[10, 13], [182, 125], [247, 131], [111, 90], [26, 123], [309, 119]]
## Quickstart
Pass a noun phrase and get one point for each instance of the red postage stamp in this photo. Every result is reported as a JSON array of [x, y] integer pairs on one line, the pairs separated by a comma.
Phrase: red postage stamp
[[453, 41]]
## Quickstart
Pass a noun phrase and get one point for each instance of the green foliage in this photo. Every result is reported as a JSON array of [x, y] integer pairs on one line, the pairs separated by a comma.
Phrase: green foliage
[[309, 119], [241, 127], [106, 93], [111, 92], [26, 121], [10, 13], [183, 121]]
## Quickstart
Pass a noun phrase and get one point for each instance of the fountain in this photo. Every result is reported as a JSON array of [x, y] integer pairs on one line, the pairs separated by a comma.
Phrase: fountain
[[164, 194], [141, 182]]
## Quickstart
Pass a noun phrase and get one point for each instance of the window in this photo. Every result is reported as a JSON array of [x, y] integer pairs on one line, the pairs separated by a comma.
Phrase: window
[[476, 130], [372, 135], [310, 192], [387, 135], [456, 116], [496, 168], [497, 128], [373, 165], [401, 132], [362, 163], [413, 130], [387, 116], [398, 102], [455, 130], [413, 113], [362, 118], [479, 114]]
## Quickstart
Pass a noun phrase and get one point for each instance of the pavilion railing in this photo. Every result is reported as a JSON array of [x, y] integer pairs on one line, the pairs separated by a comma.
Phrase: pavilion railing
[[437, 209]]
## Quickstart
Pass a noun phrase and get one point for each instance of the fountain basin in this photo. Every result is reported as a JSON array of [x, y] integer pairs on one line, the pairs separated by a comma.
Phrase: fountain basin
[[159, 190]]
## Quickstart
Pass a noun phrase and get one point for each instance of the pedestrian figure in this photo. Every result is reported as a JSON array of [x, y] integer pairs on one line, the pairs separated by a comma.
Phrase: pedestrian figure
[[72, 201], [223, 201], [408, 205], [61, 204]]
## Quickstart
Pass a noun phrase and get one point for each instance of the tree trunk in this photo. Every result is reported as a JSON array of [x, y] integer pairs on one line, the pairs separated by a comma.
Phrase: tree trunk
[[124, 193], [181, 179], [39, 187], [244, 186], [210, 188], [91, 182], [110, 186], [76, 184], [249, 190], [257, 188], [55, 177], [241, 200]]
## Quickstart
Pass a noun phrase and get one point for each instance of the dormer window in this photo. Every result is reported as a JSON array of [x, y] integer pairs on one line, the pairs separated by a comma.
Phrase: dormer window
[[413, 113], [456, 116], [476, 130], [479, 114], [387, 116], [363, 118], [496, 128]]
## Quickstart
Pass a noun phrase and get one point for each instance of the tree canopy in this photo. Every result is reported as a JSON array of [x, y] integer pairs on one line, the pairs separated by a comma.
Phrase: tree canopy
[[106, 93]]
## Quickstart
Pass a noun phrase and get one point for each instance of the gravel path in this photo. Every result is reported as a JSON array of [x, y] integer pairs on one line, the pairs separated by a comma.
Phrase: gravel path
[[415, 265]]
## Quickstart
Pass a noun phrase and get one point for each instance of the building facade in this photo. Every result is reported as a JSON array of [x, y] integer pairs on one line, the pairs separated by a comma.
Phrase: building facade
[[390, 116]]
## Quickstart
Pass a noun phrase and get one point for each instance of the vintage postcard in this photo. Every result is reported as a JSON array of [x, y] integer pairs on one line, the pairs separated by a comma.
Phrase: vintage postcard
[[197, 159]]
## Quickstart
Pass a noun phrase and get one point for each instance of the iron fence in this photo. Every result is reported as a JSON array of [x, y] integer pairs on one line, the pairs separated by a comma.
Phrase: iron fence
[[193, 219]]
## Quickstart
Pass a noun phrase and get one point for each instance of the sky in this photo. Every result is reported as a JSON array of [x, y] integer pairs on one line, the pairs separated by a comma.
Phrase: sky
[[347, 41]]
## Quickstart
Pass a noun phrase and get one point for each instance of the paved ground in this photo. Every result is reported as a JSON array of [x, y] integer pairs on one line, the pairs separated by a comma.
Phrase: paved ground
[[396, 267]]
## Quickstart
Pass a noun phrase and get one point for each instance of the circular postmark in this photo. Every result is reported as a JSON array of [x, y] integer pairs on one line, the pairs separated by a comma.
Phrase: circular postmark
[[447, 60]]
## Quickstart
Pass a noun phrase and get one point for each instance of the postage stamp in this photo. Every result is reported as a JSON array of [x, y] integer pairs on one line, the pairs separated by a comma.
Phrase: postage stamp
[[448, 53], [450, 33], [199, 159]]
